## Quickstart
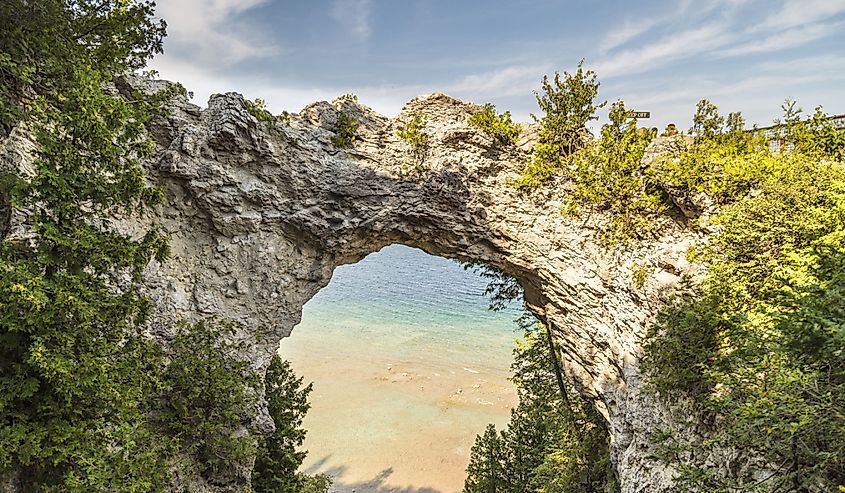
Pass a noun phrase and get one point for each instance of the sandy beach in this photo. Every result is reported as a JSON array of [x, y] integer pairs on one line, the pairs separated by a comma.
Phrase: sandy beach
[[378, 425], [408, 366]]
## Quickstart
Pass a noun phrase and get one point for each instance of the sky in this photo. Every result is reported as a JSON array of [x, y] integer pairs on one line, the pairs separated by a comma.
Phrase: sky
[[657, 56]]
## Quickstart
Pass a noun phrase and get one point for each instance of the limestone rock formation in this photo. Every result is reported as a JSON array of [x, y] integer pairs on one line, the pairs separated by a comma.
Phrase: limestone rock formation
[[260, 214]]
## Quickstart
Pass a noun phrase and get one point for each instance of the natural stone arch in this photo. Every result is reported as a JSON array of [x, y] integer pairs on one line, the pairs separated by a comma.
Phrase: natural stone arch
[[260, 215]]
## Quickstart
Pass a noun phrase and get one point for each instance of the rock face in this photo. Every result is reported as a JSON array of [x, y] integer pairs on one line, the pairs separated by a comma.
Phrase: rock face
[[260, 214]]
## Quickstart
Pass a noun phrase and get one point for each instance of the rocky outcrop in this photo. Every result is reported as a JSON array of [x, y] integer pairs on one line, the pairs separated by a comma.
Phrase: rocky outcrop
[[260, 214]]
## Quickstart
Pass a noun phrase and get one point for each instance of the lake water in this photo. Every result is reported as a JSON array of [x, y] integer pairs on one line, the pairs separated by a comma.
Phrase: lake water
[[408, 365]]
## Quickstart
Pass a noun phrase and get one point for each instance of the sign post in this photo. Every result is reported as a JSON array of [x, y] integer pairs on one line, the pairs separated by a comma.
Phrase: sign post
[[639, 114]]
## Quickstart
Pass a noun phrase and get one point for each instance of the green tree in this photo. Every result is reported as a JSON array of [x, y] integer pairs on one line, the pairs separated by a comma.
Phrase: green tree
[[278, 458], [72, 410], [607, 177], [568, 105], [758, 344], [208, 394], [554, 442], [486, 471]]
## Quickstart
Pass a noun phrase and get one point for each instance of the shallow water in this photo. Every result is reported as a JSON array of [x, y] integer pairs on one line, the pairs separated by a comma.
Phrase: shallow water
[[408, 366]]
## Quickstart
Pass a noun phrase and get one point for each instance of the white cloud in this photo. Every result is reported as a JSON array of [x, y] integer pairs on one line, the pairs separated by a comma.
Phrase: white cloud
[[670, 48], [199, 27], [790, 38], [355, 16], [799, 12]]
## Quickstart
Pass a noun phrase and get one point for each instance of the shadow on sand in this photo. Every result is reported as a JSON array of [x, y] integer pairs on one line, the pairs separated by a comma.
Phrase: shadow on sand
[[376, 485]]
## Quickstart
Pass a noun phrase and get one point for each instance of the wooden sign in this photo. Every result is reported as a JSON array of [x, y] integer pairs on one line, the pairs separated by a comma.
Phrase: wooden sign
[[639, 114]]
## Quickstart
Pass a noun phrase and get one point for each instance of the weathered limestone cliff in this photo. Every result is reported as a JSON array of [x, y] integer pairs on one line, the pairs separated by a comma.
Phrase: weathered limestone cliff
[[260, 214]]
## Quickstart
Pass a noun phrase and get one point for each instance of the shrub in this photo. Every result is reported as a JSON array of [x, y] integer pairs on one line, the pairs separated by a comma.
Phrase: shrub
[[278, 458], [607, 177], [499, 127], [413, 134], [346, 128], [208, 396], [258, 109], [759, 343], [568, 104]]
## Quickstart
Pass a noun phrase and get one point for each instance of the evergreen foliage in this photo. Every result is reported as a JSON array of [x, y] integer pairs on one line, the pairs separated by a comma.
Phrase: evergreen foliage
[[278, 458], [553, 442], [499, 127], [72, 411], [87, 402], [759, 344], [208, 395], [346, 128]]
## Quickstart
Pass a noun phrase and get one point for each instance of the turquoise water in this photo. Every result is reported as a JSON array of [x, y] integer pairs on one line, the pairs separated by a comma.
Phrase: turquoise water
[[407, 303], [408, 365]]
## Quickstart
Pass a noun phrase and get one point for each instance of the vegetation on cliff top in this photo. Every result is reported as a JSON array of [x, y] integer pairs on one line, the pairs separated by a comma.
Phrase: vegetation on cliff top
[[759, 345]]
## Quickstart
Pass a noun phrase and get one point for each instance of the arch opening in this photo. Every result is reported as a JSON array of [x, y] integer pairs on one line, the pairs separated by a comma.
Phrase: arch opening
[[408, 365]]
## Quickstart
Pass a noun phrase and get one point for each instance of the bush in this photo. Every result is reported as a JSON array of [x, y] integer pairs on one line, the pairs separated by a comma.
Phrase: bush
[[258, 109], [607, 177], [413, 134], [499, 127], [759, 344], [346, 128], [278, 458], [568, 104], [209, 396]]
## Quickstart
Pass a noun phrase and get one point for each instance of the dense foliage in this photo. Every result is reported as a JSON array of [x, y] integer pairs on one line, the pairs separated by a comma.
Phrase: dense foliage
[[554, 442], [500, 127], [88, 403], [72, 401], [760, 344], [606, 176], [207, 396], [278, 458]]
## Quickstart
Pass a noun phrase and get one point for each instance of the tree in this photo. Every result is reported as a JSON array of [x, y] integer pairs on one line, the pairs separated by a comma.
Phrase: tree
[[486, 472], [72, 357], [568, 105], [278, 458], [552, 443]]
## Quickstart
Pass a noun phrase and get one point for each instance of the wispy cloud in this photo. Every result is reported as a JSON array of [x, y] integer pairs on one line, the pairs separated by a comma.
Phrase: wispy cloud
[[355, 16], [794, 13], [670, 48], [516, 79], [627, 32], [787, 39]]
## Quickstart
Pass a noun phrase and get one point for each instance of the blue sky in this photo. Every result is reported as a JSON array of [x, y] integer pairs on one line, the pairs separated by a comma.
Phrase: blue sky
[[658, 56]]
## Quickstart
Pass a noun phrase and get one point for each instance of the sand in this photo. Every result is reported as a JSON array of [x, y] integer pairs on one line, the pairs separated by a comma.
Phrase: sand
[[380, 424]]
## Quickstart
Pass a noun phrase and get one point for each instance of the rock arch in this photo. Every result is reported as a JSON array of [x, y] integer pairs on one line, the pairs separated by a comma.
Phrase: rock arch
[[261, 213]]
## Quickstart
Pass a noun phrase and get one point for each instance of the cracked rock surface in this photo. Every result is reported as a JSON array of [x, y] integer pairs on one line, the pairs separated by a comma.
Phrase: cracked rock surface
[[260, 214]]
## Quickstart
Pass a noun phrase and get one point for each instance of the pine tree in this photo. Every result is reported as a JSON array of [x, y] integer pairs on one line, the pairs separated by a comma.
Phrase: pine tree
[[278, 458], [74, 367], [486, 471]]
